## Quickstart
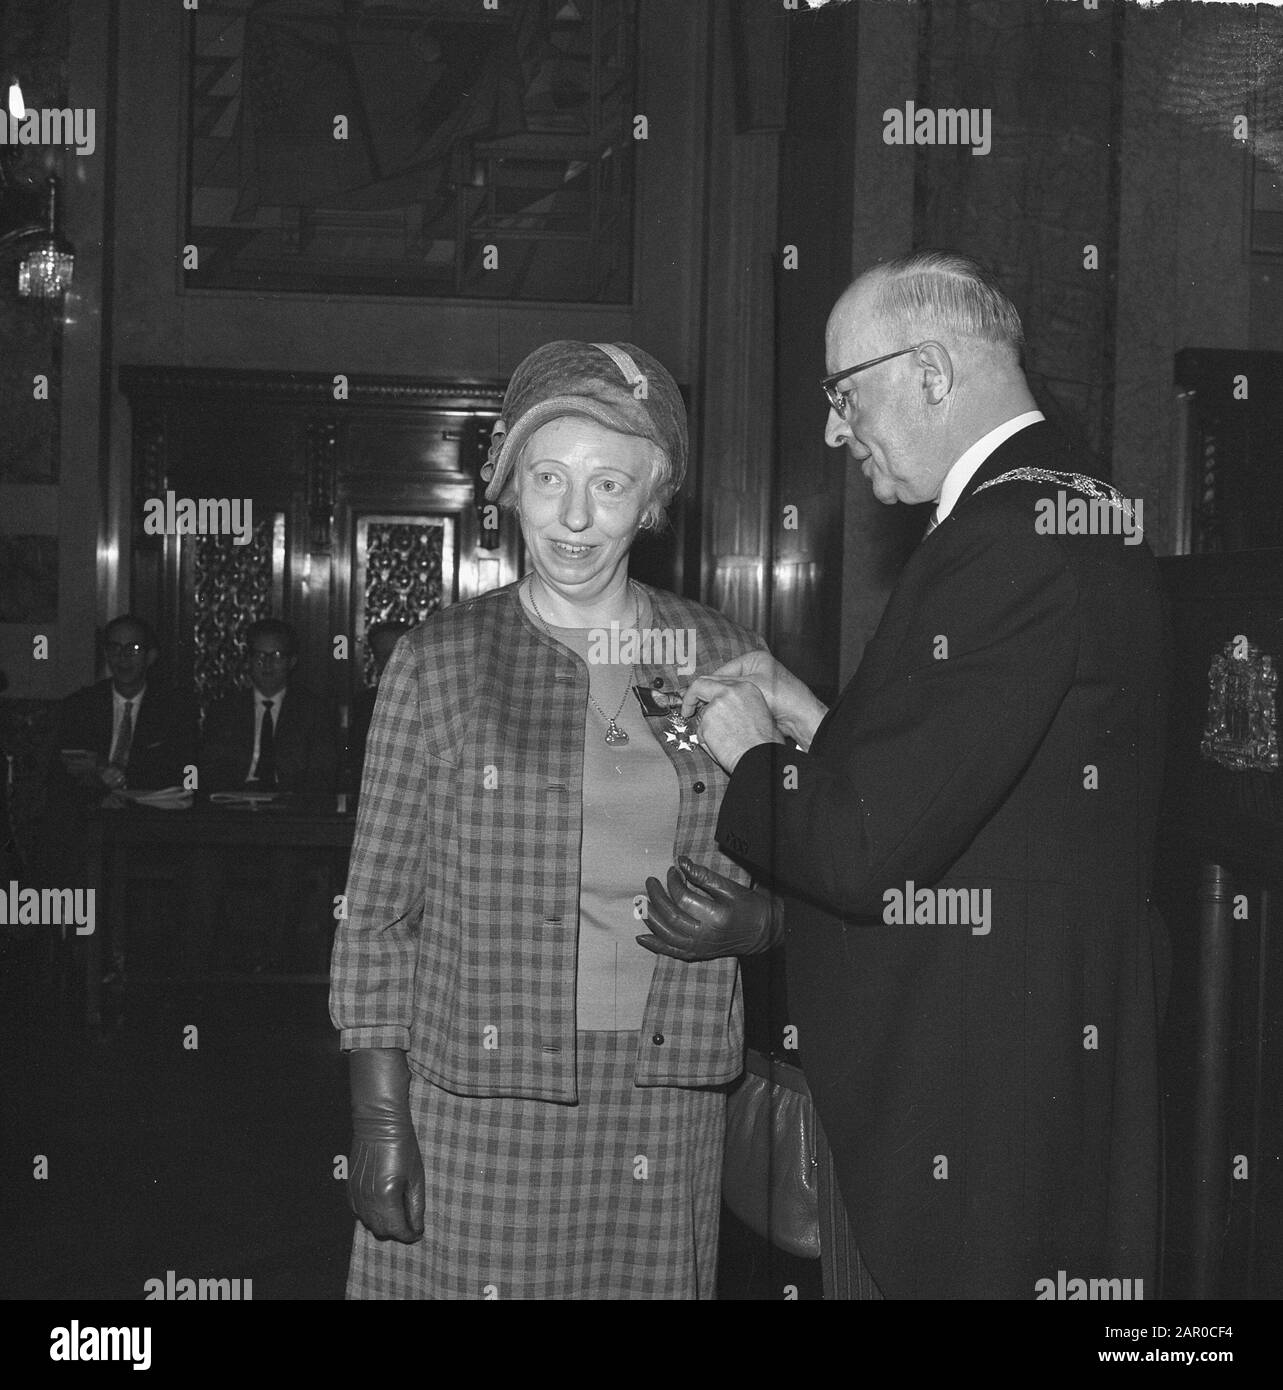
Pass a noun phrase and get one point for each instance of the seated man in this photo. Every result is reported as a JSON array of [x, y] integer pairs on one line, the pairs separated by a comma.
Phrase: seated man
[[273, 736], [381, 638], [128, 730], [131, 731]]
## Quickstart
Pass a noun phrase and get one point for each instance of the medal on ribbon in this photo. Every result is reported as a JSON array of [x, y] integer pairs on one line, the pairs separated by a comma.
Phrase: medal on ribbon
[[681, 731], [667, 705]]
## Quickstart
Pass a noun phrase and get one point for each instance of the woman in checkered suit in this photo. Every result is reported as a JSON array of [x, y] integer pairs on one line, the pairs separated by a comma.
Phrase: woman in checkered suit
[[538, 1098]]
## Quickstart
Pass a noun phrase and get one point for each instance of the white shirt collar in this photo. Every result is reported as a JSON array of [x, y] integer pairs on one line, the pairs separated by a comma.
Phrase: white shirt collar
[[119, 701], [966, 467]]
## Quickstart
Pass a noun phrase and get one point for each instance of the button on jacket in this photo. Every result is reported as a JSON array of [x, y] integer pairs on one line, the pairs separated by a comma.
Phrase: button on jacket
[[461, 936]]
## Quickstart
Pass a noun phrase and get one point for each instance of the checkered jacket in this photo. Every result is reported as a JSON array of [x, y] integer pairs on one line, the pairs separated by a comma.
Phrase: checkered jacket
[[460, 942]]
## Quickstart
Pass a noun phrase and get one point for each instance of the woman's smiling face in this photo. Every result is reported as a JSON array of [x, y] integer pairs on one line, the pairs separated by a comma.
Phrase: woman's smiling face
[[582, 493]]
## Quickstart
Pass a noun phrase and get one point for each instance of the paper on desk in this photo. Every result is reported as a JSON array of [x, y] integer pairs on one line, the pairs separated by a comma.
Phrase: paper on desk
[[167, 799]]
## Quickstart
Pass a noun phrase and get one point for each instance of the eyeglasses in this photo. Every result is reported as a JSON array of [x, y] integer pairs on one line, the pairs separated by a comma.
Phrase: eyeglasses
[[125, 648], [841, 400], [268, 658]]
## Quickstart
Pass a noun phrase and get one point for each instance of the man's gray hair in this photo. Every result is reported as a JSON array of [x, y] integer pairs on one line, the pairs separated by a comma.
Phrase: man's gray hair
[[944, 294]]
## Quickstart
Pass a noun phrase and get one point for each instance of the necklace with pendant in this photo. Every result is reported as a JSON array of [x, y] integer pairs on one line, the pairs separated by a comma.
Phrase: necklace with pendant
[[614, 734]]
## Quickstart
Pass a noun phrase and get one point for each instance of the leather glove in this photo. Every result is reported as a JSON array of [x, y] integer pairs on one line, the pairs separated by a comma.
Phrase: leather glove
[[704, 915], [385, 1177]]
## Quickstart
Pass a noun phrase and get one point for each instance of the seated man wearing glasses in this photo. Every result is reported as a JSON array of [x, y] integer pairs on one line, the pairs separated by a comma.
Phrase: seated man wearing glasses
[[274, 736], [128, 731]]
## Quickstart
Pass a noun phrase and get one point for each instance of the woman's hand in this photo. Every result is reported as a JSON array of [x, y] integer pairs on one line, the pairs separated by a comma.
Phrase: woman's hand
[[385, 1178], [704, 915]]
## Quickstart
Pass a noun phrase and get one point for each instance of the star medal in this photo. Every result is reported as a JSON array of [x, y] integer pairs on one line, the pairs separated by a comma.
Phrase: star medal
[[678, 730]]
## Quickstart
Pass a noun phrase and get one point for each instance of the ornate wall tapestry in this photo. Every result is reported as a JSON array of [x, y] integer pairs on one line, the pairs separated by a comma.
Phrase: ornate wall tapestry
[[416, 147]]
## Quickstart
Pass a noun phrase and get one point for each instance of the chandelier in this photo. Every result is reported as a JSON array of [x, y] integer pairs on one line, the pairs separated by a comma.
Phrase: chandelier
[[45, 271], [30, 219]]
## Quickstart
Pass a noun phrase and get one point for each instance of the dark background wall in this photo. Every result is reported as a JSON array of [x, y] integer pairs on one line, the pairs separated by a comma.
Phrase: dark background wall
[[1111, 127]]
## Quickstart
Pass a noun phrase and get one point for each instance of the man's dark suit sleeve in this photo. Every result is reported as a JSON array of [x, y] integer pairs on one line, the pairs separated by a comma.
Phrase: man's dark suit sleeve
[[224, 755], [942, 737], [321, 749], [187, 726], [74, 726], [165, 738]]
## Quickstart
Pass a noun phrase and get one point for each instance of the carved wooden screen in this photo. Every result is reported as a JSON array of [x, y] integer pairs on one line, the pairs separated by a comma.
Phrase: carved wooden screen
[[232, 586], [405, 571]]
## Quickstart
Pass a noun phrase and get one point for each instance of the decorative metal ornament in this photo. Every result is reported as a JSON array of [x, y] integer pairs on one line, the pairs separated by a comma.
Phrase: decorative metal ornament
[[322, 465], [1090, 487], [232, 586], [678, 730], [498, 433], [1241, 731]]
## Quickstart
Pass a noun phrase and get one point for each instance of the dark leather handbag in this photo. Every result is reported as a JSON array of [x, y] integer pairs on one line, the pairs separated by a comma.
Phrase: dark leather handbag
[[769, 1173]]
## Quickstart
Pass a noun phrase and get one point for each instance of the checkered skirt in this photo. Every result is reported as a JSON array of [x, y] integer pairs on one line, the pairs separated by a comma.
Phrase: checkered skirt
[[616, 1197]]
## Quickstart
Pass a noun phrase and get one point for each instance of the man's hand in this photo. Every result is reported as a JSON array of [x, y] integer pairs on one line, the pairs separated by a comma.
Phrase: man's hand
[[704, 915], [733, 718], [385, 1178], [797, 712], [84, 767]]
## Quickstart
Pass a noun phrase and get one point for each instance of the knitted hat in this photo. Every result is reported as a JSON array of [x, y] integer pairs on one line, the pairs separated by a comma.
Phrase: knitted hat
[[616, 384]]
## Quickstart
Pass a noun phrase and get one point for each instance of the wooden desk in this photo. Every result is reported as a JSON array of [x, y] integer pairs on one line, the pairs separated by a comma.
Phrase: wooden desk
[[298, 822]]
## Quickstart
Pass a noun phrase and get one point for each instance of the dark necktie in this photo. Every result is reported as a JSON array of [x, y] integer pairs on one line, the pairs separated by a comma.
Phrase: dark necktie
[[267, 749], [124, 737]]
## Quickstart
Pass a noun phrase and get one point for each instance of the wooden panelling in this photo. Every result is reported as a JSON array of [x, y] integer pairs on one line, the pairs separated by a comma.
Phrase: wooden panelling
[[284, 441]]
